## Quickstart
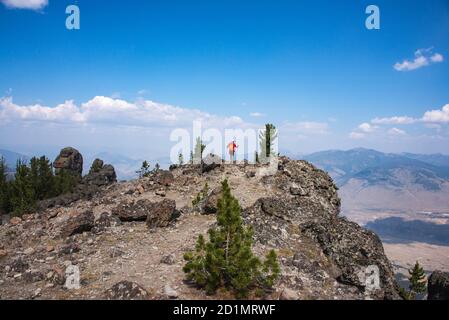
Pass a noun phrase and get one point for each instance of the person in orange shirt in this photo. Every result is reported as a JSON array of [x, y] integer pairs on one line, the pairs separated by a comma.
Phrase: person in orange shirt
[[232, 147]]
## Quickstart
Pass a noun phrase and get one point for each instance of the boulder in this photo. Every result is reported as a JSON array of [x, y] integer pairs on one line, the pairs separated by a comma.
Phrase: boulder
[[126, 290], [209, 205], [161, 214], [133, 211], [164, 178], [210, 162], [168, 259], [438, 286], [105, 221], [69, 160], [100, 174], [78, 223], [96, 166]]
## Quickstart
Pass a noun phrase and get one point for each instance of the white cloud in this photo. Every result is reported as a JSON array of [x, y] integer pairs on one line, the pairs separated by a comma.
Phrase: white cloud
[[394, 120], [366, 127], [437, 116], [107, 110], [362, 130], [396, 132], [257, 114], [437, 58], [423, 58], [64, 112], [25, 4]]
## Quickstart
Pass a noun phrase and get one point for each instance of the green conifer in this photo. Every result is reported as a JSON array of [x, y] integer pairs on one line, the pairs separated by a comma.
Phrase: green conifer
[[266, 141], [227, 259], [23, 198], [417, 280]]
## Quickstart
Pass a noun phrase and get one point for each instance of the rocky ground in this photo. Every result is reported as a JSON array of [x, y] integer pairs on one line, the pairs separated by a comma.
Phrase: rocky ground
[[127, 239]]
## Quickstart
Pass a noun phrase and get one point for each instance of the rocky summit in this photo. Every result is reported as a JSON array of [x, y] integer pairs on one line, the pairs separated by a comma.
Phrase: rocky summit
[[127, 239]]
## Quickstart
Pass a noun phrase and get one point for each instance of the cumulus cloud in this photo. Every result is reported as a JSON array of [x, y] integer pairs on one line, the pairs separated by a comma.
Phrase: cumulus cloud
[[362, 130], [25, 4], [396, 132], [366, 127], [64, 112], [108, 110], [437, 58], [394, 120], [423, 58], [437, 116]]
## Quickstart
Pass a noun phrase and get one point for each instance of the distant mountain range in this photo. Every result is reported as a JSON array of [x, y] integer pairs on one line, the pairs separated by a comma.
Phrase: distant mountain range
[[377, 168], [11, 158], [370, 180]]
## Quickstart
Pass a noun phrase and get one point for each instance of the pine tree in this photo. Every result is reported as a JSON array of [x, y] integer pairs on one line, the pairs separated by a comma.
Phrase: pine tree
[[198, 152], [4, 188], [64, 182], [144, 169], [180, 159], [46, 185], [266, 140], [23, 198], [417, 280], [227, 259], [157, 167]]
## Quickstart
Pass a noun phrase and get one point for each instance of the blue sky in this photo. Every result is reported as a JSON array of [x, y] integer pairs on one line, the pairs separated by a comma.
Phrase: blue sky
[[310, 67]]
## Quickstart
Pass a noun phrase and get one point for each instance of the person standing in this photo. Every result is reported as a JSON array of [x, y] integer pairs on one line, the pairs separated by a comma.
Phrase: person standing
[[232, 148]]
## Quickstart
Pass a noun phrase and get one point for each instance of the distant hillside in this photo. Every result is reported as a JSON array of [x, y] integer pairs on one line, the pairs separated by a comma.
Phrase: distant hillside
[[377, 168], [11, 158], [370, 180], [435, 159]]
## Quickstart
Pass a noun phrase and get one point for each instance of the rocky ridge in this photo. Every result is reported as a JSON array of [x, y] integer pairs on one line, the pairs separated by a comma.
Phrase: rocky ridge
[[127, 239]]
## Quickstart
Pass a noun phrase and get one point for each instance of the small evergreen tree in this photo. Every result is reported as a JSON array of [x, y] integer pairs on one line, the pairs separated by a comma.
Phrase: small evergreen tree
[[201, 195], [266, 139], [64, 182], [417, 280], [46, 186], [198, 152], [5, 205], [227, 259], [23, 198], [144, 169], [180, 159]]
